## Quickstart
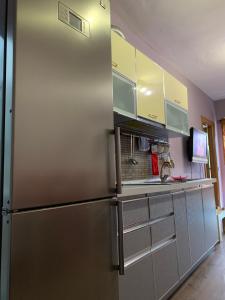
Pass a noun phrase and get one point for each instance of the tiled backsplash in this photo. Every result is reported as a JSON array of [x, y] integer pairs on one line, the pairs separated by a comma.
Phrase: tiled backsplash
[[143, 169]]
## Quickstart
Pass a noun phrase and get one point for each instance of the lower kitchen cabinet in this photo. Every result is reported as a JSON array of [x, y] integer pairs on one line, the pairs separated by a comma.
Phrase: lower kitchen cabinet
[[195, 223], [210, 219], [165, 236], [181, 224], [138, 281], [165, 267]]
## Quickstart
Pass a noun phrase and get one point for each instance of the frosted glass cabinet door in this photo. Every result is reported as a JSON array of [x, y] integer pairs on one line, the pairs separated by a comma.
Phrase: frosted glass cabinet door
[[150, 97], [124, 96], [177, 118]]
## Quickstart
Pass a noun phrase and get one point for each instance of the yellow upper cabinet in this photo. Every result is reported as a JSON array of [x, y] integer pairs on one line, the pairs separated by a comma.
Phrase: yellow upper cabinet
[[175, 91], [123, 57], [150, 96]]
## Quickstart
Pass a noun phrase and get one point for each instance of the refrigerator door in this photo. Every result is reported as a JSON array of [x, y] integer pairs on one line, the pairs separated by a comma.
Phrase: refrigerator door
[[62, 114], [63, 253]]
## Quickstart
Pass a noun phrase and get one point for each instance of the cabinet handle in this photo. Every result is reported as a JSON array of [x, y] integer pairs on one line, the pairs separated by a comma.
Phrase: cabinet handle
[[177, 101], [153, 116], [135, 200], [138, 227], [115, 65], [138, 258], [164, 244], [120, 238]]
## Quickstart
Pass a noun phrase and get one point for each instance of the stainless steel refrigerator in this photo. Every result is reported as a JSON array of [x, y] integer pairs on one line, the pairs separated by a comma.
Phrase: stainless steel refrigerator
[[57, 145]]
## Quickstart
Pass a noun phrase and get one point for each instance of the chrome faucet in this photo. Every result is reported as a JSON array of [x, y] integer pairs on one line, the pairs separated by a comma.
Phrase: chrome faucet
[[168, 164]]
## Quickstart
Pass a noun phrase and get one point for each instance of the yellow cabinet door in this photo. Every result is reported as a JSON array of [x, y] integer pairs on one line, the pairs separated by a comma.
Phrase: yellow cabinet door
[[123, 57], [175, 91], [150, 96]]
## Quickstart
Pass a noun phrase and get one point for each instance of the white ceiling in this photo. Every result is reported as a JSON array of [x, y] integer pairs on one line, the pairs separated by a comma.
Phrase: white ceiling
[[188, 33]]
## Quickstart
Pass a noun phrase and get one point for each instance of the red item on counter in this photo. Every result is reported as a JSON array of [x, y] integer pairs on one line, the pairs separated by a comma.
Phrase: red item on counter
[[155, 164], [179, 178]]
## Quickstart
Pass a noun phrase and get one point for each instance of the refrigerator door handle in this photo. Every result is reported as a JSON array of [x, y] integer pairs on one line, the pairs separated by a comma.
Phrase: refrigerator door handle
[[118, 161], [120, 238]]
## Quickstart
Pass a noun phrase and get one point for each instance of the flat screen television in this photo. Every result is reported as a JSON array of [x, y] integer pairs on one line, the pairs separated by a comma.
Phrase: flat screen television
[[197, 146]]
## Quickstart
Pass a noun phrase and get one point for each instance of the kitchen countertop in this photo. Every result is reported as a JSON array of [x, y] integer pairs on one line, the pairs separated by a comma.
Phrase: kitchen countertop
[[130, 190]]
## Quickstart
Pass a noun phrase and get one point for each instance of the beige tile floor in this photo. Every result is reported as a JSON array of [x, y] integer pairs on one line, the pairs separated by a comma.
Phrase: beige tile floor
[[208, 281]]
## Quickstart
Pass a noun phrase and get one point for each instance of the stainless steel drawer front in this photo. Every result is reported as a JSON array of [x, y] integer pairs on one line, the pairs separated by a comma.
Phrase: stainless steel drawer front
[[136, 212], [136, 242], [163, 230], [160, 206]]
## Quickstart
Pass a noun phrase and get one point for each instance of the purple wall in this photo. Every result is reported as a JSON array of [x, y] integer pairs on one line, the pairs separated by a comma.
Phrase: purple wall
[[220, 109], [199, 102]]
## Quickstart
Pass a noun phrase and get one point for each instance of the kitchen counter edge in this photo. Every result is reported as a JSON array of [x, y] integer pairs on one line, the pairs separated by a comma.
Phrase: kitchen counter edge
[[173, 187]]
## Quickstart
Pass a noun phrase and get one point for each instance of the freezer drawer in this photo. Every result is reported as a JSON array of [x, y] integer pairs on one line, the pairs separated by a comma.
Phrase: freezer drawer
[[63, 253]]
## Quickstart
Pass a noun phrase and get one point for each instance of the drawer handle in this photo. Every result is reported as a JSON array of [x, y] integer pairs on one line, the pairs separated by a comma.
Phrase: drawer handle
[[120, 238], [145, 254], [178, 101], [136, 259], [115, 65], [165, 195], [164, 244], [153, 116], [148, 224], [134, 200], [138, 227], [160, 219]]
